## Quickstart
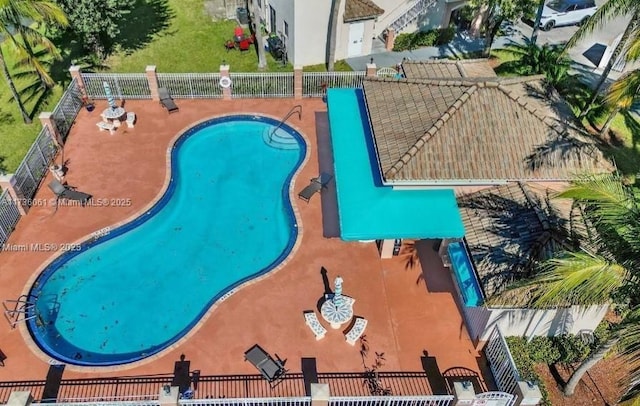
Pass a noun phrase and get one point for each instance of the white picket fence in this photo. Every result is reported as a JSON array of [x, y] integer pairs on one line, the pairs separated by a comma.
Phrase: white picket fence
[[207, 85]]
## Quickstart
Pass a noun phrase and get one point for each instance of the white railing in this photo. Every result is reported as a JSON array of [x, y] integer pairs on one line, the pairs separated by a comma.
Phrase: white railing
[[294, 401], [314, 84], [258, 85], [191, 85], [99, 402], [505, 372], [432, 400], [419, 8], [122, 85]]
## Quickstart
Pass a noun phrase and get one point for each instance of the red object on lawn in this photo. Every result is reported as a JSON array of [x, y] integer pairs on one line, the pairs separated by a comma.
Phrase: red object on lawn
[[238, 32], [244, 45]]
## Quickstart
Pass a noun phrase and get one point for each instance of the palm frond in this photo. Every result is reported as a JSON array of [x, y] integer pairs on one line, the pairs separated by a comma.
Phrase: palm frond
[[578, 278], [624, 91], [607, 11]]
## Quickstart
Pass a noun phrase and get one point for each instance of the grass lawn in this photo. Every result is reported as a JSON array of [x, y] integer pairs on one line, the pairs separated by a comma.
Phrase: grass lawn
[[15, 136], [174, 35]]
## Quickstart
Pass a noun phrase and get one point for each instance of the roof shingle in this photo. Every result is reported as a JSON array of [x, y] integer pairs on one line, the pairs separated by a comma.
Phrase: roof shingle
[[443, 131], [356, 10]]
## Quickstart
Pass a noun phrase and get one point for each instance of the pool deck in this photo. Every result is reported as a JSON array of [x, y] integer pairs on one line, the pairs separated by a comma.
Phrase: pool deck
[[410, 311]]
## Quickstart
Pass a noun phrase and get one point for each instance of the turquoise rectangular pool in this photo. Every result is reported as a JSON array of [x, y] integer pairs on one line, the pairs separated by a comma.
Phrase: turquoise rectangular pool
[[465, 276], [367, 209]]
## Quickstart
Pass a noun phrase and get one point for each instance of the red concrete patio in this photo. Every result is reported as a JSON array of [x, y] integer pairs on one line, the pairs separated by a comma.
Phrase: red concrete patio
[[410, 311]]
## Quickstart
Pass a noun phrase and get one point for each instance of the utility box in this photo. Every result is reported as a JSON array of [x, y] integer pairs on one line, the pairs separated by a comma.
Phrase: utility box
[[243, 15]]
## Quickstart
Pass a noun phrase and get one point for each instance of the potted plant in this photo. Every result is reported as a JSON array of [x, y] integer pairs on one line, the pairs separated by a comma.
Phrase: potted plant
[[88, 103]]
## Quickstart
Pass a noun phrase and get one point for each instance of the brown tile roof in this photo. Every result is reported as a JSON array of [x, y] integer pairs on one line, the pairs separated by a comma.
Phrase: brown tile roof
[[509, 228], [448, 69], [500, 129], [355, 10]]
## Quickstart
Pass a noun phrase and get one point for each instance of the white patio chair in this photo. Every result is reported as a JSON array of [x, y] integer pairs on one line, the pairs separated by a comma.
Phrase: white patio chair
[[131, 119]]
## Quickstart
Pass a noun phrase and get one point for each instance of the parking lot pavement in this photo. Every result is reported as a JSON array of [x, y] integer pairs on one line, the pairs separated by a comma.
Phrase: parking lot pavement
[[596, 42]]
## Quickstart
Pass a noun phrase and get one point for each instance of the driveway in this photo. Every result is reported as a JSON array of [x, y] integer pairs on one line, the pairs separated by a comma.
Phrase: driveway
[[586, 54]]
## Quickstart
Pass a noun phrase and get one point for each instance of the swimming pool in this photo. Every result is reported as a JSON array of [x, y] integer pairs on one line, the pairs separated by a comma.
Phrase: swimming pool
[[465, 276], [225, 218]]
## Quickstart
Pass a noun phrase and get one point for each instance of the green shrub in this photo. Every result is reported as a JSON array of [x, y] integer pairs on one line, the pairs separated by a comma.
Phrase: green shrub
[[572, 348], [411, 41], [542, 349], [519, 349]]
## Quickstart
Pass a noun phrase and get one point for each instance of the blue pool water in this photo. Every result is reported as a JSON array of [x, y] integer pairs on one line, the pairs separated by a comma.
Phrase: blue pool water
[[464, 274], [225, 218]]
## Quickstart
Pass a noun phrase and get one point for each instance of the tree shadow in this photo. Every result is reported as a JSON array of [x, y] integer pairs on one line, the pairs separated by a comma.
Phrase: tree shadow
[[146, 19]]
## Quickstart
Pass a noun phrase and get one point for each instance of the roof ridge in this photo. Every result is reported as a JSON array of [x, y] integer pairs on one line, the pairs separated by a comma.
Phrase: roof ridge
[[430, 133], [436, 61], [468, 82]]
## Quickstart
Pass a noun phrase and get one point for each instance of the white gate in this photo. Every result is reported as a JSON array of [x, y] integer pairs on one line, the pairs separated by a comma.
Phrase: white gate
[[494, 399], [501, 362]]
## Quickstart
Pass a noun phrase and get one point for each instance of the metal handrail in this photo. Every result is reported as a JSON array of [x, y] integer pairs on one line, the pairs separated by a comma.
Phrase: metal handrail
[[295, 109]]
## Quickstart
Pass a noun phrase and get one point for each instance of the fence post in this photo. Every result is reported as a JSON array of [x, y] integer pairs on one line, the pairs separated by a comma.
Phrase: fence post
[[528, 394], [46, 118], [152, 78], [320, 394], [76, 73], [20, 398], [297, 82], [390, 39], [169, 396], [9, 182], [224, 73], [463, 393], [371, 69]]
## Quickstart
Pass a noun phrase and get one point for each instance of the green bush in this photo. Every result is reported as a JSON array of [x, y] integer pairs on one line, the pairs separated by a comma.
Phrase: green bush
[[519, 349], [411, 41], [542, 349], [572, 348]]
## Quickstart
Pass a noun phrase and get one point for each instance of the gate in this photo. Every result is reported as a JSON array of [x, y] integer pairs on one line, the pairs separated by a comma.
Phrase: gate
[[501, 362], [494, 399]]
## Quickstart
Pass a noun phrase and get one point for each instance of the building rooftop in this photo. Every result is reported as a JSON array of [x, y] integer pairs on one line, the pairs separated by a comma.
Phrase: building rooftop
[[355, 10], [448, 69], [474, 130], [510, 227]]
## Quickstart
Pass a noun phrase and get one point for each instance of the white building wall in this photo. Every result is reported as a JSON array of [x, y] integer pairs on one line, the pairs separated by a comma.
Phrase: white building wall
[[532, 322], [285, 11]]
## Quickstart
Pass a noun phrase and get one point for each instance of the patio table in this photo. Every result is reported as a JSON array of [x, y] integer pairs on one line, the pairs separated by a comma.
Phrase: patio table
[[337, 315], [113, 115]]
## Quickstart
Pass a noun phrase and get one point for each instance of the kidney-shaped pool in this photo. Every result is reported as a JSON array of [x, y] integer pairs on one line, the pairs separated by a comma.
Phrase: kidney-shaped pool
[[225, 218]]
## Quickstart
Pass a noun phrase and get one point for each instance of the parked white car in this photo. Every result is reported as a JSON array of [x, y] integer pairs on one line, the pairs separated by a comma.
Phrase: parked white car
[[566, 12]]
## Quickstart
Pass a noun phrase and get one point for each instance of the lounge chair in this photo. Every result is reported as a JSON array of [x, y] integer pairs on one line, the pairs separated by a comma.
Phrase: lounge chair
[[314, 324], [166, 100], [316, 185], [356, 331], [67, 192], [272, 370]]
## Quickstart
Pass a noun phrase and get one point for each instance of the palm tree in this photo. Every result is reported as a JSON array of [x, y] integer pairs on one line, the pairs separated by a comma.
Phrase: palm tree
[[621, 95], [579, 277], [14, 15], [38, 12], [536, 23], [256, 32], [629, 40], [332, 32]]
